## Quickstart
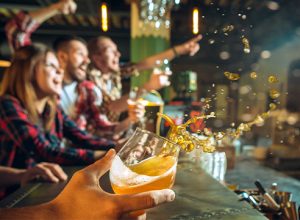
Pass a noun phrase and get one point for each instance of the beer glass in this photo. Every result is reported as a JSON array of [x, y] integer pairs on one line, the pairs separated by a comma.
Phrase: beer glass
[[146, 162]]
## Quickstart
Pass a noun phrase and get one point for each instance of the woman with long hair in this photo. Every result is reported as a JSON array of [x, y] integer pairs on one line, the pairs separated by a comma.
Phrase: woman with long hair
[[32, 125]]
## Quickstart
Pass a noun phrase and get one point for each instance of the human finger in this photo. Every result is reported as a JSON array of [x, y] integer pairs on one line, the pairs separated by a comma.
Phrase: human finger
[[57, 170], [156, 71], [197, 38], [194, 50], [145, 200], [168, 72], [100, 167], [72, 7], [164, 80], [132, 216], [45, 173]]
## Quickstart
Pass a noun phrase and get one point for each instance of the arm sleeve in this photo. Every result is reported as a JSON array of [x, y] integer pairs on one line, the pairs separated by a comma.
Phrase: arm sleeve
[[19, 29], [89, 103], [82, 138], [32, 140]]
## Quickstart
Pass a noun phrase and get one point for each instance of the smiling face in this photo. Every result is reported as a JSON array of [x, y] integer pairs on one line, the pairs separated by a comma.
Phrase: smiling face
[[74, 60], [48, 76], [106, 59]]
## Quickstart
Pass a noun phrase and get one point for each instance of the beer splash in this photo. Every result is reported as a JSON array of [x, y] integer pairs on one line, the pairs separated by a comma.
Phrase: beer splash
[[179, 134], [188, 142], [232, 76], [227, 29], [274, 94], [246, 45], [243, 127], [272, 79], [253, 75]]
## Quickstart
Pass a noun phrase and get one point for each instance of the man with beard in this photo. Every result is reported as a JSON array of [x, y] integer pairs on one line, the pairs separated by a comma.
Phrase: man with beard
[[80, 98], [105, 71]]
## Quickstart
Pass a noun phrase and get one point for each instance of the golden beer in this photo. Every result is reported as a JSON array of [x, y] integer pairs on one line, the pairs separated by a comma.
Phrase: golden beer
[[153, 173]]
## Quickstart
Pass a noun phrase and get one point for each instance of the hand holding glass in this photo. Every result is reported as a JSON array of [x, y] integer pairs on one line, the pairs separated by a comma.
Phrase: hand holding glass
[[146, 162]]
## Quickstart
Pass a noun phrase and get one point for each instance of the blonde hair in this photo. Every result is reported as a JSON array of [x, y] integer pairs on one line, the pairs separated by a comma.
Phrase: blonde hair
[[19, 81]]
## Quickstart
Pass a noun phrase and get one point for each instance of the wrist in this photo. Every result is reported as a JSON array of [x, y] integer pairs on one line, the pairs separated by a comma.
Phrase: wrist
[[56, 7], [175, 52], [17, 176]]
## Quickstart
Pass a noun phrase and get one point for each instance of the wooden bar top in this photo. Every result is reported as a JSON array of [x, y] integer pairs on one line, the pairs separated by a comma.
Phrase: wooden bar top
[[198, 196]]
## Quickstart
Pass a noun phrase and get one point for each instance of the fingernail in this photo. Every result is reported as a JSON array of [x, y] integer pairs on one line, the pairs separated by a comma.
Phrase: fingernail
[[171, 196], [65, 177], [111, 153]]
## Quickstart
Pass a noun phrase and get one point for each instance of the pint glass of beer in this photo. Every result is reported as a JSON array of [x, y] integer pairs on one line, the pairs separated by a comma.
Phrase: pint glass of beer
[[146, 162]]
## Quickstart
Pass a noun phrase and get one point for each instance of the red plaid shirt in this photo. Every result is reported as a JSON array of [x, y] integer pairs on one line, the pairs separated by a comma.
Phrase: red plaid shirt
[[19, 30], [22, 143], [88, 115]]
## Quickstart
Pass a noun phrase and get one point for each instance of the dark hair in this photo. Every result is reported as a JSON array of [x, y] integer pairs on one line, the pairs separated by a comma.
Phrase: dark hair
[[61, 43], [94, 44]]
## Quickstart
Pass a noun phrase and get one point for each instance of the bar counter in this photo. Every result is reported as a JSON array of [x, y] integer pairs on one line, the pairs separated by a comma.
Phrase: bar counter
[[198, 196]]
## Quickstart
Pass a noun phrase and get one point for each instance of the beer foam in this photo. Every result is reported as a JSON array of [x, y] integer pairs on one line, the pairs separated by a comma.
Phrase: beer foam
[[121, 175]]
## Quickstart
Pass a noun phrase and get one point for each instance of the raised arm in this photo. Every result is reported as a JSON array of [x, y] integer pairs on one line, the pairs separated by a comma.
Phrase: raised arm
[[19, 29], [189, 47], [61, 7]]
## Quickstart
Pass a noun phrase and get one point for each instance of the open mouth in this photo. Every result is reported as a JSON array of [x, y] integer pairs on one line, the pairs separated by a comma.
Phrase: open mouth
[[57, 82], [83, 68]]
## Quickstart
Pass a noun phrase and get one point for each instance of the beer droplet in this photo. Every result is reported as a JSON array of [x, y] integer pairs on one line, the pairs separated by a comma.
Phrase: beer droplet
[[272, 79], [232, 76], [246, 45], [272, 106], [244, 127], [220, 135], [207, 132], [228, 28], [258, 120], [274, 94], [253, 75]]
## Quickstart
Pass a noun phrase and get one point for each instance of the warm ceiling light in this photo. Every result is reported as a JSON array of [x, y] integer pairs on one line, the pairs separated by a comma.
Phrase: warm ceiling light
[[195, 21], [4, 63], [104, 17]]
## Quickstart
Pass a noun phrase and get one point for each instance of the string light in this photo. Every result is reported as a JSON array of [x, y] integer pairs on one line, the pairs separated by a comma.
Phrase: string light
[[156, 11], [195, 21], [104, 17]]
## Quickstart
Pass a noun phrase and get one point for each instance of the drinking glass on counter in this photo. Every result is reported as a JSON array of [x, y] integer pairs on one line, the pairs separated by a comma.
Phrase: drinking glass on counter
[[214, 164]]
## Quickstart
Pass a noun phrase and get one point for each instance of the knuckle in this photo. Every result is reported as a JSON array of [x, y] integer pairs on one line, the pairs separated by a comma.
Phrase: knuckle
[[151, 201], [56, 166]]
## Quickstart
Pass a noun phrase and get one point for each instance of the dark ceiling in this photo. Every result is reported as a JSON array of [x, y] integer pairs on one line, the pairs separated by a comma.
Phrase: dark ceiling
[[266, 24]]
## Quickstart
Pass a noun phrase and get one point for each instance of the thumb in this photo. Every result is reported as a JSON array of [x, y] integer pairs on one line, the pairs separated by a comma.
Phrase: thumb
[[100, 167], [197, 38], [146, 200]]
